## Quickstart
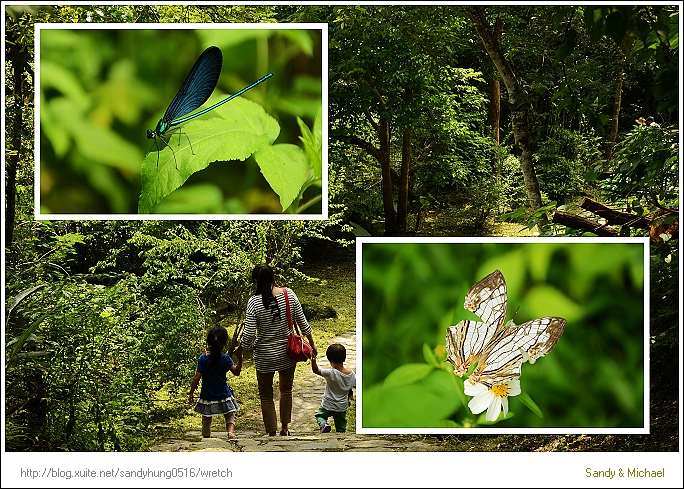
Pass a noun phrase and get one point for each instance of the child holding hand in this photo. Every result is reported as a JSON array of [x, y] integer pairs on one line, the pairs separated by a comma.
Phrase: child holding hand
[[216, 396], [339, 381]]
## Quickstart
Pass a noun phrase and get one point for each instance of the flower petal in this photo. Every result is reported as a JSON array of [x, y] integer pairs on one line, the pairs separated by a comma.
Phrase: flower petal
[[481, 401], [494, 408], [514, 387], [504, 401], [474, 390]]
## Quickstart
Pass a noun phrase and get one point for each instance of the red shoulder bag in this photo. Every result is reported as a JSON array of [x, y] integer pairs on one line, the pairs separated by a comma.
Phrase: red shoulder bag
[[298, 349]]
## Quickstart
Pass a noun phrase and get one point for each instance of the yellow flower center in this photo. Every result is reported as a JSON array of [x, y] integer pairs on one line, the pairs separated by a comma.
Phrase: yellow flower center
[[500, 390]]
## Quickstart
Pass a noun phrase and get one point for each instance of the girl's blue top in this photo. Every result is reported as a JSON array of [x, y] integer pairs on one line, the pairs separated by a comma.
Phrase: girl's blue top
[[214, 386]]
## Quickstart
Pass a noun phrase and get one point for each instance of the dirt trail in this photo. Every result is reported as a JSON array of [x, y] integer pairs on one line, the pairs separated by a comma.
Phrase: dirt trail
[[304, 431]]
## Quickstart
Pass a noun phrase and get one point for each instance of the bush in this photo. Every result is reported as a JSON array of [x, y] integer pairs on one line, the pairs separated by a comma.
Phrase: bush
[[646, 167], [85, 361], [561, 163]]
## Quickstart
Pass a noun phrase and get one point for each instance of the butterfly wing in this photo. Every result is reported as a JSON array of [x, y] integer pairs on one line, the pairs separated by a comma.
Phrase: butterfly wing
[[537, 337], [501, 362], [487, 299], [499, 350], [464, 344], [466, 341], [503, 357]]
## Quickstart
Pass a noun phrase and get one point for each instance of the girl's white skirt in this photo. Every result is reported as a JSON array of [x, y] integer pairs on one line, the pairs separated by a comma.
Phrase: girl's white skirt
[[216, 408]]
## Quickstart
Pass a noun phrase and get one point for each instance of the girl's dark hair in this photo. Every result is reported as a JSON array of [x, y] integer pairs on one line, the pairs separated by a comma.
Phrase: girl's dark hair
[[263, 277], [336, 353], [217, 337]]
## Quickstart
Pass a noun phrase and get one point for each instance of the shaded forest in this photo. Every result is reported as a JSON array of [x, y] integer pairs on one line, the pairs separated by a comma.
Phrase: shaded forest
[[555, 119]]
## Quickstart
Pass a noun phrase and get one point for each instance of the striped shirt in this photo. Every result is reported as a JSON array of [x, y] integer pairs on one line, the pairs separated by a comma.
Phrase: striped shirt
[[266, 331]]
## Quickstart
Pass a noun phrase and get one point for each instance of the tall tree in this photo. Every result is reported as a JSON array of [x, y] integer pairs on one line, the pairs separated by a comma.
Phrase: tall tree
[[380, 74], [396, 94], [494, 112], [18, 34], [519, 107]]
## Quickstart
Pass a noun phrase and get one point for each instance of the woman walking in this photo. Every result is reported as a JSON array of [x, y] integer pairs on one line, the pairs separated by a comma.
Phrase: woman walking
[[266, 333]]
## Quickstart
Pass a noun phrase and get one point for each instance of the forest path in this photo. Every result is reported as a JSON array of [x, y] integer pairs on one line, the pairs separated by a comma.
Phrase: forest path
[[304, 432]]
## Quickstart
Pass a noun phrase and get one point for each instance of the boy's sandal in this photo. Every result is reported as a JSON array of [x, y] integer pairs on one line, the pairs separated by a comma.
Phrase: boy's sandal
[[285, 433], [232, 436]]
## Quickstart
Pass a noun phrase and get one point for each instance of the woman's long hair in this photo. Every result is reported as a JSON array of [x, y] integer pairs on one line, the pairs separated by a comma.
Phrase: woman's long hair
[[217, 337], [263, 277]]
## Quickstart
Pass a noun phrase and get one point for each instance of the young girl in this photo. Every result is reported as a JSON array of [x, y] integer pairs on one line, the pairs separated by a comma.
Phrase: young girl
[[216, 397]]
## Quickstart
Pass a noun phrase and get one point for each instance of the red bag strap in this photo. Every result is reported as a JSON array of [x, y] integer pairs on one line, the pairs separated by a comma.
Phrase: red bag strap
[[289, 316]]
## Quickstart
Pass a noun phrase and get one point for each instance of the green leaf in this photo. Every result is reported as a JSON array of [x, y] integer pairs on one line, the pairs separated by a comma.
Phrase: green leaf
[[204, 198], [460, 392], [358, 230], [28, 354], [313, 146], [24, 336], [616, 26], [20, 297], [590, 175], [426, 403], [527, 401], [219, 135], [482, 419], [566, 49], [409, 373], [448, 423], [430, 357], [284, 168]]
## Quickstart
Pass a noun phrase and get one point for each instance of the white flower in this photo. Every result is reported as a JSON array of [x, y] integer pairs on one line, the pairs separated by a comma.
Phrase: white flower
[[492, 398]]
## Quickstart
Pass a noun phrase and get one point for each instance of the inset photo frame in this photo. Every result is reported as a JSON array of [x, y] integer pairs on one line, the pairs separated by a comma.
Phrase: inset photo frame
[[494, 335], [191, 121]]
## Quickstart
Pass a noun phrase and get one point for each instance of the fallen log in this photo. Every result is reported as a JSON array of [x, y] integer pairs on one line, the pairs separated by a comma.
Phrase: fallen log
[[583, 224], [613, 216]]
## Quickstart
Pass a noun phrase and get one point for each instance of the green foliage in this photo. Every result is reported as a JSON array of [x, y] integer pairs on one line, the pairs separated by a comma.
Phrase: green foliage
[[288, 169], [594, 377], [561, 163], [427, 401], [645, 35], [665, 311], [525, 215], [85, 362], [85, 392], [648, 33], [458, 153], [18, 342], [382, 74], [645, 168]]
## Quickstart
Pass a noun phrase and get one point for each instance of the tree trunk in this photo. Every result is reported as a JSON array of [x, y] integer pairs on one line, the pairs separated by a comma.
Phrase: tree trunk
[[516, 101], [402, 207], [494, 110], [387, 194], [15, 52], [383, 129], [493, 117], [612, 133]]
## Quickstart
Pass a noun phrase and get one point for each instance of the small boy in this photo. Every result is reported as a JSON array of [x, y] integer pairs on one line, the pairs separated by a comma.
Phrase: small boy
[[339, 381]]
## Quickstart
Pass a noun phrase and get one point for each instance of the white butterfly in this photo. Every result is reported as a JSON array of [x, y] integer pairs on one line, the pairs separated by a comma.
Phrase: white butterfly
[[499, 349]]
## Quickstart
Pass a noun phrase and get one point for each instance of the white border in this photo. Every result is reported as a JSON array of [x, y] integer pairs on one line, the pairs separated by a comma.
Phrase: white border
[[363, 469], [494, 430], [323, 27]]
